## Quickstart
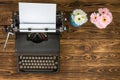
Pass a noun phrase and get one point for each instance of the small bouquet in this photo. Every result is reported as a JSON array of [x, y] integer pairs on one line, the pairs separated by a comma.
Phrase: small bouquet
[[101, 19], [78, 17]]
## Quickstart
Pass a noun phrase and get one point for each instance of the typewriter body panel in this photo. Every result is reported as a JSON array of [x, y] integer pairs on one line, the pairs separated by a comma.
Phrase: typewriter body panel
[[37, 51], [37, 57]]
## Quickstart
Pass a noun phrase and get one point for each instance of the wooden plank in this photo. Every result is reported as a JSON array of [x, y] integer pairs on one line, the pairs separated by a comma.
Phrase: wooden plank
[[9, 48], [85, 69], [91, 33], [59, 76], [61, 1], [68, 6], [90, 45], [42, 1], [5, 18]]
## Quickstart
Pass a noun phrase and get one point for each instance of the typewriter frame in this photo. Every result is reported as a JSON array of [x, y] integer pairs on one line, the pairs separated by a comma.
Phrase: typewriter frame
[[60, 27]]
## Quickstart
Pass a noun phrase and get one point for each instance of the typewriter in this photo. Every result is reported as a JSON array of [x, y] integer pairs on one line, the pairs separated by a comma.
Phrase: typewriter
[[37, 28]]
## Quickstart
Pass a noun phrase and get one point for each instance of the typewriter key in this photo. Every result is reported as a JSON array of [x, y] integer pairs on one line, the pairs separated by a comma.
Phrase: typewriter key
[[21, 67], [50, 64], [20, 62], [40, 61], [51, 57], [23, 57], [24, 67], [48, 67], [43, 61], [49, 61], [36, 66], [23, 63], [42, 67], [48, 58], [39, 67], [55, 67], [46, 61], [45, 58], [29, 57], [31, 67], [52, 61], [26, 57], [32, 57], [25, 60], [28, 60], [45, 67], [47, 64], [56, 62], [54, 57], [31, 61], [51, 67], [20, 57], [37, 61], [36, 57], [34, 60]]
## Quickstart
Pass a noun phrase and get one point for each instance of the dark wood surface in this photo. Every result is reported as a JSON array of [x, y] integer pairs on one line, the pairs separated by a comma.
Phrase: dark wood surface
[[86, 53]]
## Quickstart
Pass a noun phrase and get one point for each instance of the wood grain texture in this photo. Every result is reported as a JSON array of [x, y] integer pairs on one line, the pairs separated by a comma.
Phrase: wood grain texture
[[86, 53]]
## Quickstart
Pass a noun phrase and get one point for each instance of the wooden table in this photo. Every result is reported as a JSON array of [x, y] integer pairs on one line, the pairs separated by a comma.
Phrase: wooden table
[[86, 53]]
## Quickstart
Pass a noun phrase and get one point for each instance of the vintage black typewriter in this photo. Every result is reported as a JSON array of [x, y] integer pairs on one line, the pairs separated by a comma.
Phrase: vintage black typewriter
[[37, 42]]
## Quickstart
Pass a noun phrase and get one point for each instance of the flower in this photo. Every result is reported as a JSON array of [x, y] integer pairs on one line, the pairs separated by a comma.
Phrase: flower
[[103, 10], [105, 20], [78, 17], [94, 17], [101, 19], [79, 20], [78, 12]]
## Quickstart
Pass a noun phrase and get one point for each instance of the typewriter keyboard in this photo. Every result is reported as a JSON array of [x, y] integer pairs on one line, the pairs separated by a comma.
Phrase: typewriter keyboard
[[37, 63]]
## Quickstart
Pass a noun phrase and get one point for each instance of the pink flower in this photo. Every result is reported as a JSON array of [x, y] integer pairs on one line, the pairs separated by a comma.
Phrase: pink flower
[[104, 20], [94, 17], [103, 10], [101, 19]]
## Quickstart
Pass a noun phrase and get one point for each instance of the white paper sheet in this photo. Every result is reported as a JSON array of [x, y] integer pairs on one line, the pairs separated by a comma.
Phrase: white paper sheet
[[37, 15]]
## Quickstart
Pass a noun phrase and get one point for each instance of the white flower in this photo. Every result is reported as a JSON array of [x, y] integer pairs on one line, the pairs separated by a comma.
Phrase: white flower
[[79, 16], [80, 19], [78, 12]]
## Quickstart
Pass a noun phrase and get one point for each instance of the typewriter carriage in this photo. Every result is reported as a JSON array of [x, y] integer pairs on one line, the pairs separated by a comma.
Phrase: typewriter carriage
[[37, 37]]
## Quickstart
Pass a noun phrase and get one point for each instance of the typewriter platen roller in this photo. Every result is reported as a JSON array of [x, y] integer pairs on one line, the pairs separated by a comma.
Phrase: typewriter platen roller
[[37, 50]]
